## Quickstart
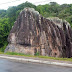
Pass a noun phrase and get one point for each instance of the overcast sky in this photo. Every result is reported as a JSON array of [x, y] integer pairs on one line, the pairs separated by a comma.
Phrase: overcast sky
[[4, 4]]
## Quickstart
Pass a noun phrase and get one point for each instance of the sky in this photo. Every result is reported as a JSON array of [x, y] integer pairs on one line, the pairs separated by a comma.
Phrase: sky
[[5, 4]]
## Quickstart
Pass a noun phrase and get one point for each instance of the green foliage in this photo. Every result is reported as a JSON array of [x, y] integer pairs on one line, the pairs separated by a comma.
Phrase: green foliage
[[2, 13], [3, 48], [4, 31], [8, 17], [37, 54]]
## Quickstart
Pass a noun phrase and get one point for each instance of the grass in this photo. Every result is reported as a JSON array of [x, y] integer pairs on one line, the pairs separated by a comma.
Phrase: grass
[[1, 52], [54, 58], [44, 57], [18, 54]]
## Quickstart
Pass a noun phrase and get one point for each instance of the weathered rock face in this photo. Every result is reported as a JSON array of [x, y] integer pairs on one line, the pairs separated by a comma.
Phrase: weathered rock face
[[33, 33]]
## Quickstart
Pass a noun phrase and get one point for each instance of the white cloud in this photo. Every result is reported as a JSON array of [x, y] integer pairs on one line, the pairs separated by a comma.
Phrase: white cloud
[[36, 2]]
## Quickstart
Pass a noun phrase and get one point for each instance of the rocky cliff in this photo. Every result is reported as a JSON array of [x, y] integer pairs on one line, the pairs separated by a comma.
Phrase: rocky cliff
[[33, 34]]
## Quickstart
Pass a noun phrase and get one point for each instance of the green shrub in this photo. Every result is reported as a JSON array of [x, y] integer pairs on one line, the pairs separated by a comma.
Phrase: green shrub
[[3, 48], [37, 54]]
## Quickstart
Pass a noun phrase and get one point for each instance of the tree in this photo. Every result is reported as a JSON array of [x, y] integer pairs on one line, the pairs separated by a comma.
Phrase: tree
[[4, 31]]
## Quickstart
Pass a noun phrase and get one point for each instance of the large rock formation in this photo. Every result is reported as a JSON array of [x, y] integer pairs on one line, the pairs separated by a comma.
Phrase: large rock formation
[[33, 34]]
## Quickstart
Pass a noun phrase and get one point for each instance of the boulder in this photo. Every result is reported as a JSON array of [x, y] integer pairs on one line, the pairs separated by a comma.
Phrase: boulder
[[33, 34]]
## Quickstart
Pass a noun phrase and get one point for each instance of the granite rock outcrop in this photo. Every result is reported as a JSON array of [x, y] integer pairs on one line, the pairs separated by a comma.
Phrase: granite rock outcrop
[[33, 34]]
